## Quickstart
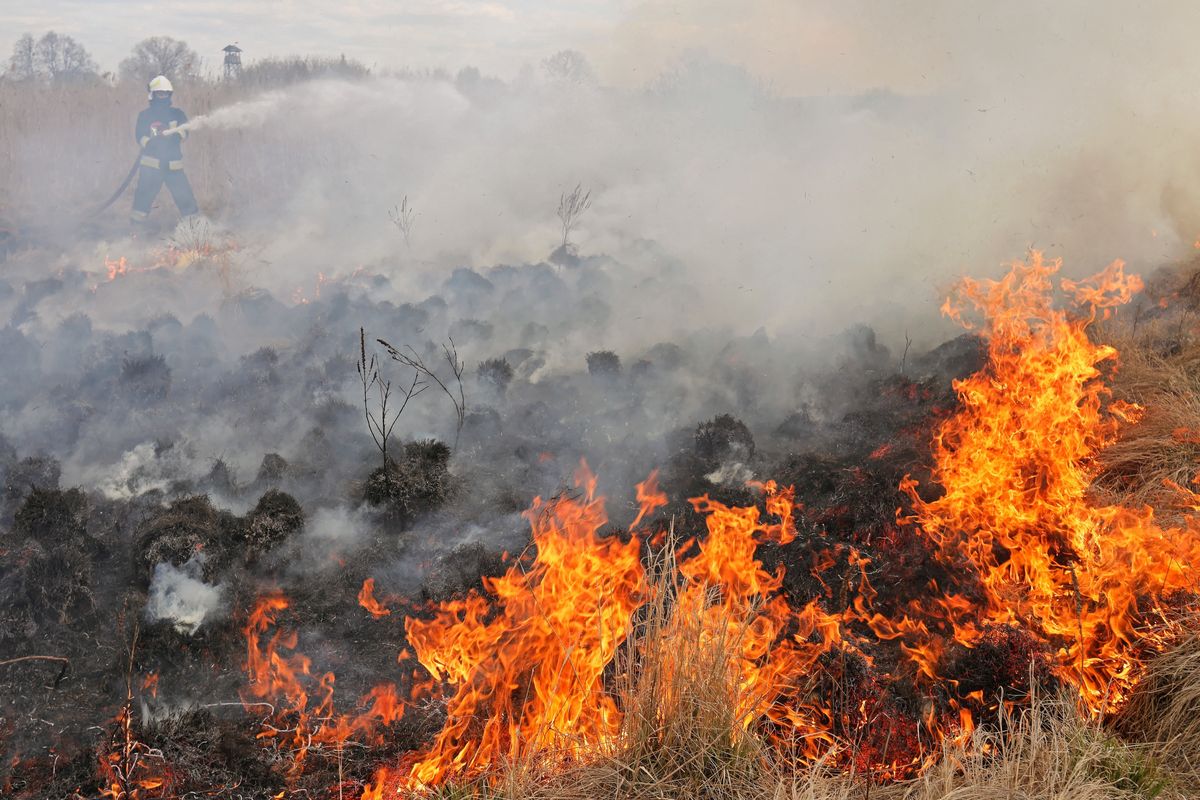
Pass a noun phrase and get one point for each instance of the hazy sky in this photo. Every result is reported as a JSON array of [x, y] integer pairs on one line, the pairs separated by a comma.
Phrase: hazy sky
[[495, 35], [800, 46]]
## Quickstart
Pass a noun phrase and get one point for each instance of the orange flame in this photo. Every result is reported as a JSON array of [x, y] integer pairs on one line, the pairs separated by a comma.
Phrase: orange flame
[[526, 663], [1025, 545], [116, 267], [1016, 463], [366, 599], [286, 678]]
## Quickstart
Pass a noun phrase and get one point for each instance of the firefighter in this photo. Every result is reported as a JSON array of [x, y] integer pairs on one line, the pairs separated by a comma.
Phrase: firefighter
[[162, 156]]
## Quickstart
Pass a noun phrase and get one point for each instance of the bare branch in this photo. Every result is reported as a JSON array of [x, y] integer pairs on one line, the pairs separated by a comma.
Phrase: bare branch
[[382, 422], [410, 358], [402, 217], [570, 209]]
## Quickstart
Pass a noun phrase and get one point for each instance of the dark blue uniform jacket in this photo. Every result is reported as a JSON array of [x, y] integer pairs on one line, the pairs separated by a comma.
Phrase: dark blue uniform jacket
[[163, 152]]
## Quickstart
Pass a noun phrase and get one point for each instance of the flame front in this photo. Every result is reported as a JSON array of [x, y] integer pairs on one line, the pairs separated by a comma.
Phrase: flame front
[[1016, 463], [525, 666]]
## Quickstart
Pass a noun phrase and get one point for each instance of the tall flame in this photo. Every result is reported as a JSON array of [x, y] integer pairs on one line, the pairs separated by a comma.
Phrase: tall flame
[[1016, 463], [526, 661]]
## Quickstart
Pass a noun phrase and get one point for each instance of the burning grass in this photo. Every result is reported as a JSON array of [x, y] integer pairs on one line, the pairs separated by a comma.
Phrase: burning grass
[[892, 636], [680, 739], [1036, 571]]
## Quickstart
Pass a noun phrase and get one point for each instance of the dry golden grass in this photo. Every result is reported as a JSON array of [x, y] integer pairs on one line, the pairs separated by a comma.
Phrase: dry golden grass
[[1164, 710], [1160, 371], [1047, 750]]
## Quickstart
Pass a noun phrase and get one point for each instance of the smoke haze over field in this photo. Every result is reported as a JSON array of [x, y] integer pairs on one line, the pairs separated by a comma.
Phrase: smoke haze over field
[[741, 183], [793, 168], [781, 193], [815, 152]]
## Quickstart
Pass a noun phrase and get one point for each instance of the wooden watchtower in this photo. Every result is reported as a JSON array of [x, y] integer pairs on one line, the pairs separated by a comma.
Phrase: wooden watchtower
[[233, 61]]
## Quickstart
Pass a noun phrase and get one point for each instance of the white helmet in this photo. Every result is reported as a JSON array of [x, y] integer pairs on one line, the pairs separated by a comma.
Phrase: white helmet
[[160, 84]]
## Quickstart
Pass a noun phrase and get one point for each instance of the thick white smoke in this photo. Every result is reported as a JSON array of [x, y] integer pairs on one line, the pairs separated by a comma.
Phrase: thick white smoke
[[180, 596]]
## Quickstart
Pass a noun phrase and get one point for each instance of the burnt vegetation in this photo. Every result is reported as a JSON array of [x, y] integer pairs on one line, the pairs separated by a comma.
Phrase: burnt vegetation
[[322, 482], [67, 575]]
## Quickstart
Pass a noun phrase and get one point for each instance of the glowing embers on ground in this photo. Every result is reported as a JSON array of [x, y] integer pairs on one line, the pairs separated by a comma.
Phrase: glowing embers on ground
[[549, 660], [192, 247]]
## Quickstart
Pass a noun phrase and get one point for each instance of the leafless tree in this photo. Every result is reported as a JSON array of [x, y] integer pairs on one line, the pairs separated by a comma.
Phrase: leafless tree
[[160, 55], [383, 419], [22, 65], [569, 66], [53, 57], [570, 208], [410, 358], [61, 59], [402, 217]]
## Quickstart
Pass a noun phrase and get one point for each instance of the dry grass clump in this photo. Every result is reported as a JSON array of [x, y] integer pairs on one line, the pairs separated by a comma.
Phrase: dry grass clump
[[681, 735], [1047, 751], [1164, 709], [1154, 457]]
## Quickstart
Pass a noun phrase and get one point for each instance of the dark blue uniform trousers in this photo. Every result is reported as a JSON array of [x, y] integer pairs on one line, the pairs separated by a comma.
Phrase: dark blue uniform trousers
[[150, 181]]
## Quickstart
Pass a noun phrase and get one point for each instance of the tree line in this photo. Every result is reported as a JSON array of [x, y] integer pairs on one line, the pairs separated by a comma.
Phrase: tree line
[[58, 58]]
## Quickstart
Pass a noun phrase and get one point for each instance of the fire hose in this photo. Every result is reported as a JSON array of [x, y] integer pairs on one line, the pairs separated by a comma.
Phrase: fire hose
[[128, 178]]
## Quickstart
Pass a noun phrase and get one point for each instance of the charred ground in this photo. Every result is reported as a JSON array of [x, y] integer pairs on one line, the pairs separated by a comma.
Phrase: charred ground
[[149, 571], [136, 582]]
